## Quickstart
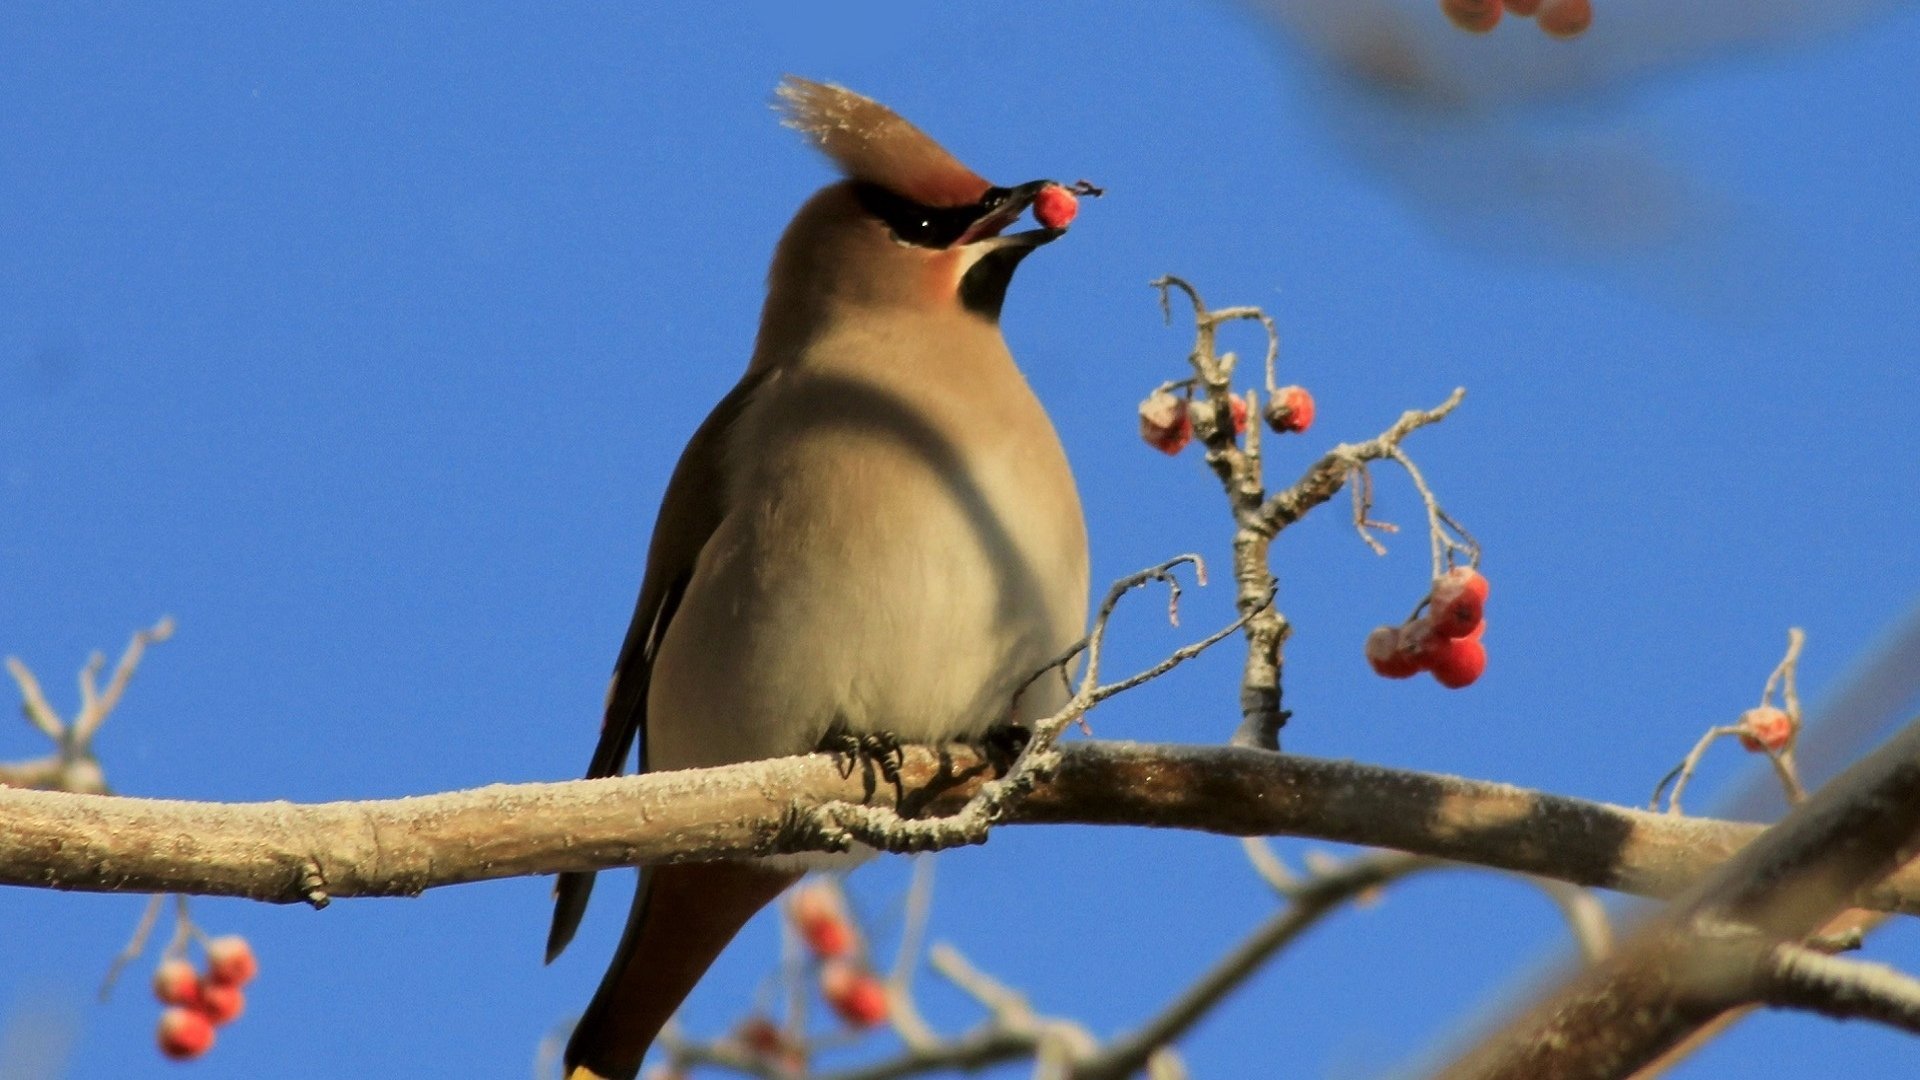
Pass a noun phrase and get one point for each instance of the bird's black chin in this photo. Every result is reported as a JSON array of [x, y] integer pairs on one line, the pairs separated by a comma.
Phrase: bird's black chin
[[983, 288]]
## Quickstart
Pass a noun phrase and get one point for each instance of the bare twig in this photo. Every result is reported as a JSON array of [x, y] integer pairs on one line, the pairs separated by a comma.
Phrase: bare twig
[[33, 701], [1684, 771], [1585, 915], [1781, 757], [1268, 864], [1257, 517], [97, 706], [904, 1013], [1312, 901], [72, 766], [136, 945]]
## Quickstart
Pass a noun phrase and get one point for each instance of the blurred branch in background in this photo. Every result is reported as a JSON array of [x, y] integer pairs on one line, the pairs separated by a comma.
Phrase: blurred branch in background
[[1542, 150], [73, 766], [1729, 941]]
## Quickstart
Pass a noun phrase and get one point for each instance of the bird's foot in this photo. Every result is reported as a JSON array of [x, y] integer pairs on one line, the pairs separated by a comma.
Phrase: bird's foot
[[875, 751]]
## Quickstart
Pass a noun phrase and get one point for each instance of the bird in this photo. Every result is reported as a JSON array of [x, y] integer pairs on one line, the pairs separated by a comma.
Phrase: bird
[[875, 533]]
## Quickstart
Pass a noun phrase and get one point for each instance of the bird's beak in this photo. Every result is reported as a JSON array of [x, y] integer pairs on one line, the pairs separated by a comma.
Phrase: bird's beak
[[1006, 206]]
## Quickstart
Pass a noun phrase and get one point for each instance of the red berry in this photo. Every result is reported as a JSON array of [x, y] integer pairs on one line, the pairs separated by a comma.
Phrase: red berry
[[184, 1034], [1239, 406], [176, 983], [1386, 656], [222, 1003], [1458, 662], [828, 937], [1566, 18], [1766, 728], [761, 1035], [1290, 410], [1457, 602], [230, 961], [1055, 207], [1165, 422], [822, 921], [857, 996], [1474, 16]]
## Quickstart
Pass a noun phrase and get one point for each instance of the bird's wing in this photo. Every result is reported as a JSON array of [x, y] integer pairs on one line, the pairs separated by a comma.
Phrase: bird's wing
[[690, 511]]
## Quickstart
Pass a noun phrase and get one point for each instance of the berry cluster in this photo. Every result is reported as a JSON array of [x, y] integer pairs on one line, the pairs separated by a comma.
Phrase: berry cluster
[[198, 1003], [1559, 18], [849, 986], [1442, 638], [1166, 418]]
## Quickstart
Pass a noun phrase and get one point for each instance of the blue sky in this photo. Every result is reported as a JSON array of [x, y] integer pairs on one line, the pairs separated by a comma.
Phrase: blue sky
[[363, 344]]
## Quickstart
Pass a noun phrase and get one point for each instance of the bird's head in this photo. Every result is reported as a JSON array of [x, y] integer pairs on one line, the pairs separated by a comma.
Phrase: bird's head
[[909, 225]]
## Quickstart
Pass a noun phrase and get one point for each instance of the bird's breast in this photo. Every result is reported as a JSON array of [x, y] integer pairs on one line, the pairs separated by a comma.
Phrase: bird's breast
[[899, 553]]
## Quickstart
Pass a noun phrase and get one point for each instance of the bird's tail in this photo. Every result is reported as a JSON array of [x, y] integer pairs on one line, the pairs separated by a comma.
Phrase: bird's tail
[[683, 915]]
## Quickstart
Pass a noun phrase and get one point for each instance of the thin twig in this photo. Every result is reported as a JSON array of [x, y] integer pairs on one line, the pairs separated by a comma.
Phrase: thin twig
[[104, 702], [1268, 864], [1312, 901], [912, 1028], [72, 765], [136, 945], [33, 701], [1585, 915], [999, 999], [1684, 771]]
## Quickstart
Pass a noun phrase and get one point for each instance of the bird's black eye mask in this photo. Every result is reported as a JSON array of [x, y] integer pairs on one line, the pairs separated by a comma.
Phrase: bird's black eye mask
[[934, 227]]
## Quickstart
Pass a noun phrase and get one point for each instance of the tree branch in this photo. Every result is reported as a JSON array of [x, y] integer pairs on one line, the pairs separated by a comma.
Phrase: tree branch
[[1802, 978], [284, 853], [1713, 948], [1311, 902]]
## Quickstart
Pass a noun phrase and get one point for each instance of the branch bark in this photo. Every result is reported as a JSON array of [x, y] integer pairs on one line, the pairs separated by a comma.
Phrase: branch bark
[[284, 853]]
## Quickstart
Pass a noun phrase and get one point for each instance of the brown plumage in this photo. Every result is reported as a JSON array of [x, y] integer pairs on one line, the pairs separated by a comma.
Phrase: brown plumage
[[876, 530], [873, 143]]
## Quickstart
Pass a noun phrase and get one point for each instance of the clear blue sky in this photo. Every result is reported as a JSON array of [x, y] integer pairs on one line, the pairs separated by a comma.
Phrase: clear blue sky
[[363, 343]]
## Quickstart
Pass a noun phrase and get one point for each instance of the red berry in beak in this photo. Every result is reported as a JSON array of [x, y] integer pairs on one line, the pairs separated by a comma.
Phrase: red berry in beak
[[1055, 207]]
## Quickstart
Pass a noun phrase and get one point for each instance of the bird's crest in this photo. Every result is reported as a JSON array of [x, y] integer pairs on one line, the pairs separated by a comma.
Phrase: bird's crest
[[873, 143]]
